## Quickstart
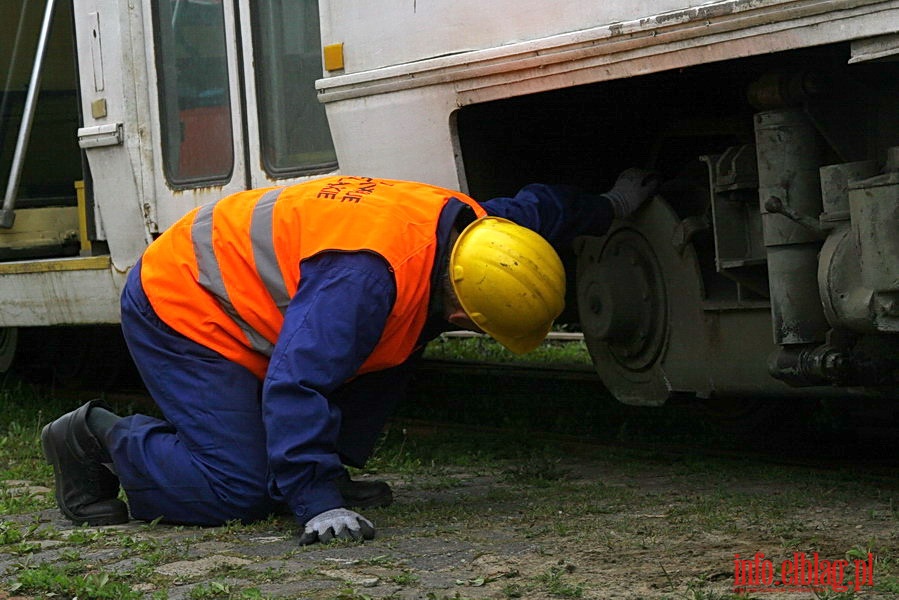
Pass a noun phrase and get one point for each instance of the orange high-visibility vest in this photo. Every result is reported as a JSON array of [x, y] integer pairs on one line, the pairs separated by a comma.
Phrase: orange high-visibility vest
[[224, 274]]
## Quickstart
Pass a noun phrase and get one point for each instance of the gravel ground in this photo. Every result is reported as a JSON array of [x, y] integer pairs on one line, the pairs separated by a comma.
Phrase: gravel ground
[[566, 520]]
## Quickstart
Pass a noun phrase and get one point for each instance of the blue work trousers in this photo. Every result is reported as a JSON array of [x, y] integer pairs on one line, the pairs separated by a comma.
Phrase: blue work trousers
[[205, 462]]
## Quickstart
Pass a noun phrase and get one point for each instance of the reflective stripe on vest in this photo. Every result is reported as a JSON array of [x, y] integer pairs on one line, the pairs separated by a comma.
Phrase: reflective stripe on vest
[[225, 273], [264, 250], [210, 273]]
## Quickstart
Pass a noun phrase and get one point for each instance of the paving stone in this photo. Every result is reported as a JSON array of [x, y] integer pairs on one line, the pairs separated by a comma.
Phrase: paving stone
[[351, 577], [25, 488], [195, 568], [207, 548], [295, 590], [266, 549], [270, 566]]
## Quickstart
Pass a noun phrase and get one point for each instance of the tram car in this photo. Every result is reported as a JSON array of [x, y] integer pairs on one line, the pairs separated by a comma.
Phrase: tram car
[[767, 266]]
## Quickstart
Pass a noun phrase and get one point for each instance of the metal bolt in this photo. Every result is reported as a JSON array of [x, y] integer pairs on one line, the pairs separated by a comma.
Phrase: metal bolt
[[774, 204]]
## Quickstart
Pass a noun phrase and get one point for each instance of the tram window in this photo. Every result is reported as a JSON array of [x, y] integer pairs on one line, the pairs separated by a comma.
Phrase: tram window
[[295, 135], [195, 105]]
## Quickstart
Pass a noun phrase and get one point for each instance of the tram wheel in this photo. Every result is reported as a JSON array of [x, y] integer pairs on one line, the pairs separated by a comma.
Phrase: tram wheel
[[639, 300]]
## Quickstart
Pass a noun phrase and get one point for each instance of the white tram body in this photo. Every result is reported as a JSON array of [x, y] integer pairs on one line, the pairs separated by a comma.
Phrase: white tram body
[[767, 266]]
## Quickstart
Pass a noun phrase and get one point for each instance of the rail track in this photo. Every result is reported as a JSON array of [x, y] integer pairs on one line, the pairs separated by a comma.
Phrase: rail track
[[567, 404], [826, 436]]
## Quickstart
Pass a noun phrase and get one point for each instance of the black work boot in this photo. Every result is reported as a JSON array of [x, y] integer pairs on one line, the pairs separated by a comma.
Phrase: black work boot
[[363, 494], [86, 491]]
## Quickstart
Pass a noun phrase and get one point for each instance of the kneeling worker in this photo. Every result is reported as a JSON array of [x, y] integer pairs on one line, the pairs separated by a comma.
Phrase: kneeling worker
[[274, 329]]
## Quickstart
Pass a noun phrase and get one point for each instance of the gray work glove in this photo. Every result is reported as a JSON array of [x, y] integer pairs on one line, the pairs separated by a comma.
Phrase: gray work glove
[[339, 523], [632, 188]]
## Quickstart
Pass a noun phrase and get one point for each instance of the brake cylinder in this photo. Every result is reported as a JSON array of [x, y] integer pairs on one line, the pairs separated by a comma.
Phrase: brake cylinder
[[788, 155]]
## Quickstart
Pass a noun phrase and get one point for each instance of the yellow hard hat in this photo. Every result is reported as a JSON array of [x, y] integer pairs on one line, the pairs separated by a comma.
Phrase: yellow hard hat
[[509, 281]]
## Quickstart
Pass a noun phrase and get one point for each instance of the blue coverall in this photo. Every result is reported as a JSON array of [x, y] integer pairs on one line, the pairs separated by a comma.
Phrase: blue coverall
[[233, 447]]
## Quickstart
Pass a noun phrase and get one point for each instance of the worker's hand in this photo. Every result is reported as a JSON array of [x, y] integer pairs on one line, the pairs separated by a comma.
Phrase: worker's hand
[[632, 188], [339, 523]]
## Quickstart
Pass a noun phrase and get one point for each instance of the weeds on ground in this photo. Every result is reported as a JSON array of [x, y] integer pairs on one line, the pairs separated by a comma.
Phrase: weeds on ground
[[351, 594], [22, 467], [698, 589], [406, 448], [555, 582], [485, 349], [70, 581], [223, 591], [536, 470]]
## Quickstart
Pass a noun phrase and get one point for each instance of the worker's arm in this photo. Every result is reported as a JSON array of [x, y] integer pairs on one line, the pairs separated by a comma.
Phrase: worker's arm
[[559, 212], [331, 326]]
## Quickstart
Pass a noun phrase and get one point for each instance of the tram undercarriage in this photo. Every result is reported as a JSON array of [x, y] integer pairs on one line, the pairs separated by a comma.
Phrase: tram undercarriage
[[767, 265]]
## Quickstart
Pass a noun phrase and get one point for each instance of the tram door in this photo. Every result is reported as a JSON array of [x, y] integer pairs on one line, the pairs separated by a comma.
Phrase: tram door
[[236, 96], [185, 101], [39, 155]]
